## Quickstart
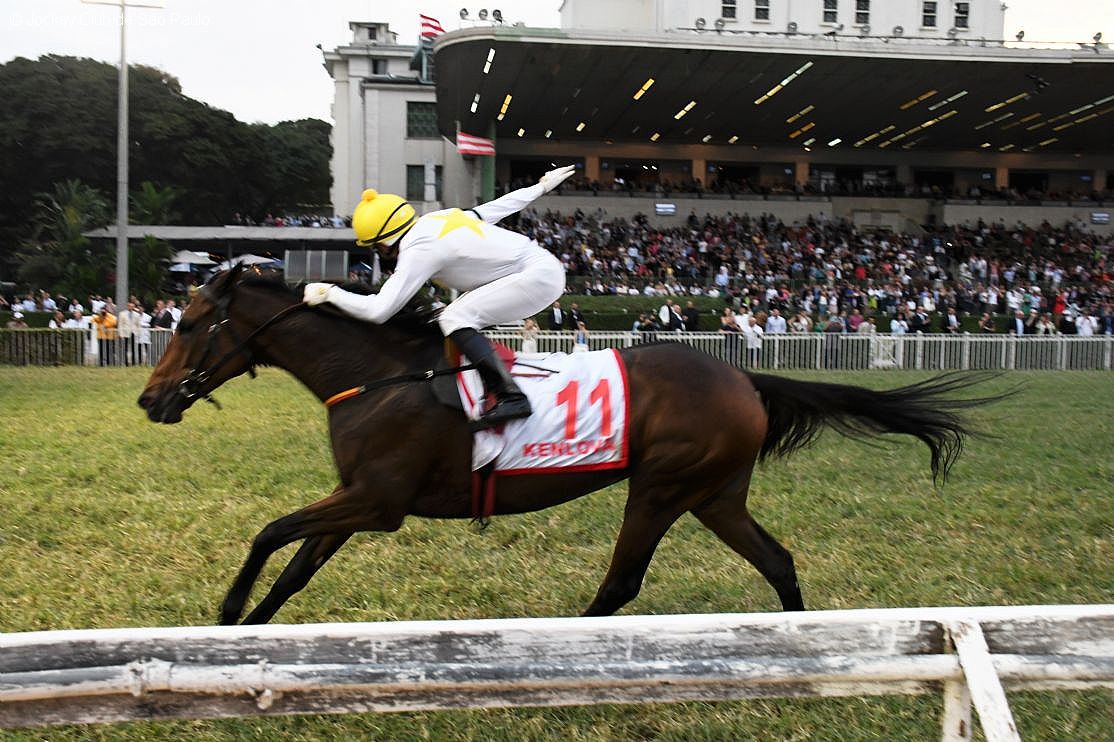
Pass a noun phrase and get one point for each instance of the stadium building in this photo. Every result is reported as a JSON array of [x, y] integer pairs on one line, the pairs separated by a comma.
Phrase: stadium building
[[893, 114]]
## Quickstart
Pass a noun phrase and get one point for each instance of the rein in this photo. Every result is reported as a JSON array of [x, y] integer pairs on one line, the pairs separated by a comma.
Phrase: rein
[[428, 375], [189, 387]]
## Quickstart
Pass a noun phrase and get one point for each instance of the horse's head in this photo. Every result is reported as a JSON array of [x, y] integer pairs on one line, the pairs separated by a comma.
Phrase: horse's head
[[207, 350]]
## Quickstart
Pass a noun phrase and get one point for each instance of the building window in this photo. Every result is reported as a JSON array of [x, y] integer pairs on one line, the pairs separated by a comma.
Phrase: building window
[[862, 12], [421, 120], [831, 11], [415, 183], [928, 14], [378, 66], [728, 10], [761, 10], [963, 15]]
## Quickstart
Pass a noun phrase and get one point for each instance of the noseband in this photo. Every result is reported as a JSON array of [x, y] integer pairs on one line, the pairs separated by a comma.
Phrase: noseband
[[190, 387]]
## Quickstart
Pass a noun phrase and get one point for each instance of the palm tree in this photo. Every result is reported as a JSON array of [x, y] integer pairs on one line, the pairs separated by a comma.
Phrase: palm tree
[[59, 256]]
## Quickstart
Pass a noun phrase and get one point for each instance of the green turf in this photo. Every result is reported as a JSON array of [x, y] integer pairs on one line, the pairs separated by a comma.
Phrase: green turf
[[109, 520]]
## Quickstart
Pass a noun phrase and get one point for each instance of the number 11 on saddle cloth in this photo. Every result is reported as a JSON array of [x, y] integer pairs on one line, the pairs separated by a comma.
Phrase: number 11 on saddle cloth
[[580, 421]]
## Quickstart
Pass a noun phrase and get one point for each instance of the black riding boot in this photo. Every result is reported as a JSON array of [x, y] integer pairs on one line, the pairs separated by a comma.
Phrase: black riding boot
[[510, 402]]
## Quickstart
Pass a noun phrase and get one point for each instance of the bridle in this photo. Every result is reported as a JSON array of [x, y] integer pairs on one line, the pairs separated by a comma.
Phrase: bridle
[[190, 387]]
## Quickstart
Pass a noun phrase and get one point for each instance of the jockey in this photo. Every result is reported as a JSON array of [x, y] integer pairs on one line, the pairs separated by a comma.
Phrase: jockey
[[504, 276]]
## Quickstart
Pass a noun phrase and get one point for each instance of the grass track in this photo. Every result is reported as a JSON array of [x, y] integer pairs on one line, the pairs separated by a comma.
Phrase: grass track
[[109, 520]]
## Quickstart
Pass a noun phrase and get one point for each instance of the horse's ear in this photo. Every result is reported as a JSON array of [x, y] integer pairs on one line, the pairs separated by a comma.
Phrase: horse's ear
[[227, 279]]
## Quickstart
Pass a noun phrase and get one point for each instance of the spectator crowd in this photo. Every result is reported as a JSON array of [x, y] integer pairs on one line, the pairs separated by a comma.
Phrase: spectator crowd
[[833, 275], [772, 278]]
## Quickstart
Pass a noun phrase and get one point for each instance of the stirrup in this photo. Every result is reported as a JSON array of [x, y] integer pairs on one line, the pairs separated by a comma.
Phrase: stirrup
[[512, 407]]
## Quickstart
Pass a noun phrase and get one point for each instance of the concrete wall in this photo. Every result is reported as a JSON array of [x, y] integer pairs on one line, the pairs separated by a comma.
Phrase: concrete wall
[[790, 212], [970, 214], [987, 19]]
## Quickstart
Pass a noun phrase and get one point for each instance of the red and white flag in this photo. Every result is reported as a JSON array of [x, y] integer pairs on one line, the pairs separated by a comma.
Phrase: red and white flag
[[466, 144], [431, 27]]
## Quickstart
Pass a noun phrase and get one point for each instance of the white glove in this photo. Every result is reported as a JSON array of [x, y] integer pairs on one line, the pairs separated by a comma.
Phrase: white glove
[[316, 293], [554, 178]]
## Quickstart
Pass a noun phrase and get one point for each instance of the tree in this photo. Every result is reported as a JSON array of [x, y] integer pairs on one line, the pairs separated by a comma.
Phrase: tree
[[58, 122], [59, 256], [148, 259]]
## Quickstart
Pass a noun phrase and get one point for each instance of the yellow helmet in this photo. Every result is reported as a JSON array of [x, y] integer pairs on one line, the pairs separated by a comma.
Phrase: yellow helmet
[[380, 216]]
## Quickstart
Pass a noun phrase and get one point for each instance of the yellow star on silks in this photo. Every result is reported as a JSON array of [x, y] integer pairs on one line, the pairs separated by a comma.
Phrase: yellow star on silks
[[457, 219]]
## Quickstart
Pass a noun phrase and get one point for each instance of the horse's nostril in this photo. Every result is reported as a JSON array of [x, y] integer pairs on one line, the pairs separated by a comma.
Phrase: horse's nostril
[[145, 399]]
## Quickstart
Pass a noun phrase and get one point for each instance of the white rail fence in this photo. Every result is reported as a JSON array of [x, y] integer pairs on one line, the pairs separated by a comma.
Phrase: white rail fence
[[788, 352], [966, 655]]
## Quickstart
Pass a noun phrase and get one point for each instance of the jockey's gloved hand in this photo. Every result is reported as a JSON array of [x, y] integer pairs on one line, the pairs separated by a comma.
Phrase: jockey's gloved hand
[[554, 178], [316, 293]]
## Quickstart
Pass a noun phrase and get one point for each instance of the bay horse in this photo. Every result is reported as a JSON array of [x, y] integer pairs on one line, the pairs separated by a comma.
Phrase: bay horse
[[383, 441]]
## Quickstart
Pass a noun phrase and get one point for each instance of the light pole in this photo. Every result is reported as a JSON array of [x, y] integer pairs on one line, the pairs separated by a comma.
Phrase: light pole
[[122, 150]]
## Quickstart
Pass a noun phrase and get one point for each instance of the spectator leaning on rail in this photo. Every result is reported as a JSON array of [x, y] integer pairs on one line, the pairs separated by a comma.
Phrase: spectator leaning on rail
[[505, 276]]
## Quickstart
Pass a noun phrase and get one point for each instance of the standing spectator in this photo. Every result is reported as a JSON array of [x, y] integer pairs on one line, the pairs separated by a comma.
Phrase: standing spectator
[[986, 323], [801, 324], [775, 323], [692, 317], [77, 321], [530, 336], [75, 306], [57, 320], [575, 318], [1016, 324], [676, 320], [580, 338], [854, 321], [105, 323], [1045, 325], [1086, 324], [143, 339], [127, 333], [729, 326], [753, 332], [556, 317], [832, 332], [17, 322], [175, 313], [898, 325], [951, 322], [161, 318]]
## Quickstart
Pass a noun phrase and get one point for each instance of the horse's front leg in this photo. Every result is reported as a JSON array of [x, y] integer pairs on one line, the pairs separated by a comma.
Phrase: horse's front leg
[[311, 557], [344, 512]]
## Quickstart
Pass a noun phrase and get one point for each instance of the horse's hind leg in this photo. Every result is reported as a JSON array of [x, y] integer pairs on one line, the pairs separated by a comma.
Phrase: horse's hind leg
[[311, 556], [638, 538], [727, 516]]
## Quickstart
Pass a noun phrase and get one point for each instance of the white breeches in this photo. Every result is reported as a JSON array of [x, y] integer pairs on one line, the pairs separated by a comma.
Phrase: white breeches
[[538, 284]]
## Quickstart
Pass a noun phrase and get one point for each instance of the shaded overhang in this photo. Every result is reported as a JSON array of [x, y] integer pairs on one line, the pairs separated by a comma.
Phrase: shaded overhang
[[230, 233], [902, 94]]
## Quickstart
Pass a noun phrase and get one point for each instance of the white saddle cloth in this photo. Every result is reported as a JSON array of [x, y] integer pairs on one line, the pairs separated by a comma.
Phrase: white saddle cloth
[[580, 421]]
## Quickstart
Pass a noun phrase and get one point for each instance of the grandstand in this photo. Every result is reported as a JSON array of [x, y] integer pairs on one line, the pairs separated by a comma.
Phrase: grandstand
[[891, 118]]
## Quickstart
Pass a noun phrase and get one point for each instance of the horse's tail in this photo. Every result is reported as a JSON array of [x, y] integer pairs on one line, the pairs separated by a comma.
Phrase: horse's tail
[[798, 410]]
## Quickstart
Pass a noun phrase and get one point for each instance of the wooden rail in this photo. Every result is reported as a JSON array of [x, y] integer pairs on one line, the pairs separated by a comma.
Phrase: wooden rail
[[966, 654]]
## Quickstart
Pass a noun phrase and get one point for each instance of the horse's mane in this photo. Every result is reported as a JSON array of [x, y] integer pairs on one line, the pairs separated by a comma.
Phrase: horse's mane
[[417, 318]]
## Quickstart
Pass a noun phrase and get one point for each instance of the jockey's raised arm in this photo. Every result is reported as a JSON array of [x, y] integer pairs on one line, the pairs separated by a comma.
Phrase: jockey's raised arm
[[515, 201]]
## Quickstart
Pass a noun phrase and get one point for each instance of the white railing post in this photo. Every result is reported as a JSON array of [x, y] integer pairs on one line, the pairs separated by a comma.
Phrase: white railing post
[[1108, 348], [918, 353], [957, 712], [982, 680], [965, 352], [777, 351]]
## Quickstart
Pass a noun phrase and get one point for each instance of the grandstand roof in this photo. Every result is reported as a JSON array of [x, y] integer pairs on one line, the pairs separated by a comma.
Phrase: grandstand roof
[[229, 233], [778, 90]]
